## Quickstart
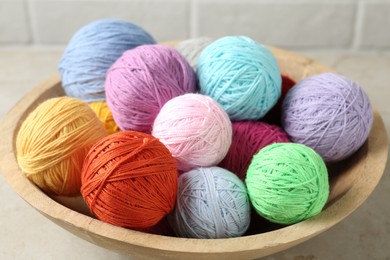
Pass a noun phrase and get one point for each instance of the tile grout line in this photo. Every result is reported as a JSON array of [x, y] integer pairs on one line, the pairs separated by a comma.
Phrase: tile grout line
[[31, 21], [357, 30], [28, 24], [193, 19]]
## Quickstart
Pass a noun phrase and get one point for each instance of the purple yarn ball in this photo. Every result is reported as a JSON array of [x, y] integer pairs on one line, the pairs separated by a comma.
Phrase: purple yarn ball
[[329, 113], [142, 80]]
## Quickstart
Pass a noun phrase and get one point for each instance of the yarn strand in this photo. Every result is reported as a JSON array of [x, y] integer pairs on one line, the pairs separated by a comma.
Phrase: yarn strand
[[53, 142], [129, 179], [329, 113]]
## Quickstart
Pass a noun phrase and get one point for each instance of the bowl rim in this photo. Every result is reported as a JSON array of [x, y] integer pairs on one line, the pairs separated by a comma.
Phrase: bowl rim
[[268, 243]]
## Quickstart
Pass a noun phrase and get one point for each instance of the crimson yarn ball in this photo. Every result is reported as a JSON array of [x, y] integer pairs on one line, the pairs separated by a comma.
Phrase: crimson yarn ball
[[248, 138]]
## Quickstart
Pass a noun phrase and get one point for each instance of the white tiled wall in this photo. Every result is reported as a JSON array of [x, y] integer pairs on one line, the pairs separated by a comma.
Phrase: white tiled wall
[[299, 24], [14, 24]]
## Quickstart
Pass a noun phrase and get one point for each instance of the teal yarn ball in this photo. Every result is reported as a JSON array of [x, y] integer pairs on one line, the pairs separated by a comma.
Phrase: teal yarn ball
[[287, 183], [211, 203], [240, 74]]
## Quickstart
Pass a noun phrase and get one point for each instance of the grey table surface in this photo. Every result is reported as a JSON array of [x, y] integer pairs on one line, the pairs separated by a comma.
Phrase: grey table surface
[[25, 234]]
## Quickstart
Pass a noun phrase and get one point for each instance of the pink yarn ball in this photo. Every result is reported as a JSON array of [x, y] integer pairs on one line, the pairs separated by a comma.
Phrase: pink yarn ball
[[196, 130], [248, 138], [142, 80]]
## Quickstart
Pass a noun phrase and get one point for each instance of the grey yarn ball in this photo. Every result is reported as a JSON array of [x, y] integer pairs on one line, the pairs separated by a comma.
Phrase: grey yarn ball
[[191, 49], [211, 203]]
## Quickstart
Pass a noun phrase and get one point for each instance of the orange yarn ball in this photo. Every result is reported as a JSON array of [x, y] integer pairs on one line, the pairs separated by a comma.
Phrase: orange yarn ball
[[129, 179], [53, 141], [104, 114]]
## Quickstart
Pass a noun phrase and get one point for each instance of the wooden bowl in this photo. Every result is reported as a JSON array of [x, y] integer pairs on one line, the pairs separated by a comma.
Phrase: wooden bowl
[[352, 181]]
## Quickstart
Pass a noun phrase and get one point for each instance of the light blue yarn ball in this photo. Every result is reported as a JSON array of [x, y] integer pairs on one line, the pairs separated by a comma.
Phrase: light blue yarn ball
[[211, 203], [91, 52], [240, 74]]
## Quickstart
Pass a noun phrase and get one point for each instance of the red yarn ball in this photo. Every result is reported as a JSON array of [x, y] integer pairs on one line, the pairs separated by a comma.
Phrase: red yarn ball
[[248, 138], [129, 179], [274, 115]]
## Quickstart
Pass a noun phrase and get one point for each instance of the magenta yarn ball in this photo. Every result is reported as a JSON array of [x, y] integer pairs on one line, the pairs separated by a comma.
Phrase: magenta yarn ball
[[330, 114], [195, 129], [248, 138], [142, 80]]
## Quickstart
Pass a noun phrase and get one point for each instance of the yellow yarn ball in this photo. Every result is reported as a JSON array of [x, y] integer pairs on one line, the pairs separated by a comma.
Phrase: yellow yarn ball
[[53, 141], [105, 116]]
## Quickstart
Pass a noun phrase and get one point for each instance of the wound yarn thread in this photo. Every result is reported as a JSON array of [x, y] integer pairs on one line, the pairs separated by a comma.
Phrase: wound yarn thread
[[241, 75], [190, 49], [195, 129], [104, 114], [142, 80], [248, 138], [90, 53], [287, 183], [329, 113], [275, 114], [53, 141], [129, 179], [211, 203]]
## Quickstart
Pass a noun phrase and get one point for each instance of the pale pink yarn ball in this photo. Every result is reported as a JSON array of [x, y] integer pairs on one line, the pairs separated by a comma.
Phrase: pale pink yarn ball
[[196, 130]]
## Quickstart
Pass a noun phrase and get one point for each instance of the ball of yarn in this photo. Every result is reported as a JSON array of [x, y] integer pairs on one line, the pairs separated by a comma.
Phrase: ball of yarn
[[287, 183], [90, 53], [275, 114], [329, 113], [240, 74], [104, 114], [142, 80], [248, 138], [53, 141], [211, 203], [129, 179], [195, 129], [190, 49]]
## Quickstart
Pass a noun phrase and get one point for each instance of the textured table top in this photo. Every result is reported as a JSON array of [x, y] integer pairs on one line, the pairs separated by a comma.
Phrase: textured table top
[[25, 234]]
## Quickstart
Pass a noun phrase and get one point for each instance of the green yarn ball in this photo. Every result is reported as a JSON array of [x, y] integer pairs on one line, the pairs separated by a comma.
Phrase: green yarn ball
[[287, 183]]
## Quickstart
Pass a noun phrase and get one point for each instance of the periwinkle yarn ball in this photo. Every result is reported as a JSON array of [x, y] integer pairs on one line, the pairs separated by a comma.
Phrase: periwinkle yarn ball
[[195, 129], [329, 113], [240, 74], [248, 138], [142, 80], [211, 203], [191, 49], [92, 50], [287, 183]]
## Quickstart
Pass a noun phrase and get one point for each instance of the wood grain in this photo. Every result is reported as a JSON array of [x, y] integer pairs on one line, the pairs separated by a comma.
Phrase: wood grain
[[352, 181]]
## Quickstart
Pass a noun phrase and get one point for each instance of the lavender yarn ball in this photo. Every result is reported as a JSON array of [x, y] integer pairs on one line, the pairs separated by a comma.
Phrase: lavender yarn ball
[[329, 113], [191, 49], [92, 50], [211, 203], [142, 80]]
